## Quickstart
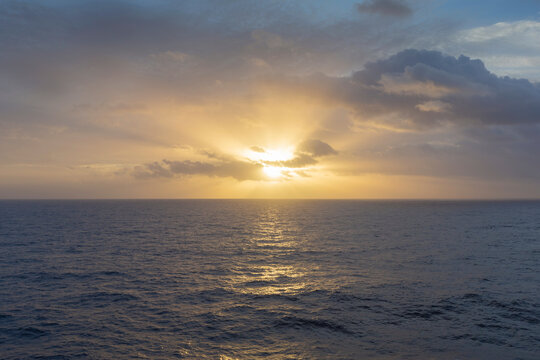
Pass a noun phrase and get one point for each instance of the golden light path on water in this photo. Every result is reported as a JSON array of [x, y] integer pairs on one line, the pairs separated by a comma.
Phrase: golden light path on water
[[268, 275]]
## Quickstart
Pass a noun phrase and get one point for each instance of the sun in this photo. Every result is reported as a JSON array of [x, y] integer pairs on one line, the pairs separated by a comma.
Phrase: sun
[[270, 159], [273, 172]]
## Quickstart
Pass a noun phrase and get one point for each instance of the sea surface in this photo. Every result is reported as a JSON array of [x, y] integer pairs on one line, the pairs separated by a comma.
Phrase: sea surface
[[269, 279]]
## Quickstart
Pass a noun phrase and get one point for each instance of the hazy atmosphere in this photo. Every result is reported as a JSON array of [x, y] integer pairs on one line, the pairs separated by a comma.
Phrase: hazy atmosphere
[[284, 99], [270, 179]]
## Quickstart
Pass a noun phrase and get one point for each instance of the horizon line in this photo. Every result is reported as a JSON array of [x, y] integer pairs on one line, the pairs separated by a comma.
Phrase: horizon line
[[262, 198]]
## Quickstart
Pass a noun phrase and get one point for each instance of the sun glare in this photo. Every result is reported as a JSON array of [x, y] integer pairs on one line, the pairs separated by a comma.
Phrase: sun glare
[[270, 158], [272, 171]]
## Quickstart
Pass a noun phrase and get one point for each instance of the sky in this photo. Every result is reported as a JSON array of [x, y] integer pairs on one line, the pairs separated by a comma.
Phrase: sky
[[367, 99]]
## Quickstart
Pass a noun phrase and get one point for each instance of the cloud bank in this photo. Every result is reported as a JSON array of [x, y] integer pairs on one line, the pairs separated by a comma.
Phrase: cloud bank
[[420, 88]]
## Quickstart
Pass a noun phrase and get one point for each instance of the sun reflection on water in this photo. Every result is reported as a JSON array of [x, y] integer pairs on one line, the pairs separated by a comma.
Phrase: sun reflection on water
[[271, 269], [269, 280]]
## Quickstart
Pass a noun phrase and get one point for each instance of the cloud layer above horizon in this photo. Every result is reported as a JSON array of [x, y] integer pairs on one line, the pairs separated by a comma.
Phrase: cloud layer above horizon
[[367, 99]]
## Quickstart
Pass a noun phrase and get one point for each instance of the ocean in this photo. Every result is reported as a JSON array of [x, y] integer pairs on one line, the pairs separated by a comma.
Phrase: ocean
[[269, 279]]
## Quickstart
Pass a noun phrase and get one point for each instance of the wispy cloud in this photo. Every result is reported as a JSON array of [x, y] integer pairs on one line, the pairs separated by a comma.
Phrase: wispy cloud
[[508, 48], [385, 7]]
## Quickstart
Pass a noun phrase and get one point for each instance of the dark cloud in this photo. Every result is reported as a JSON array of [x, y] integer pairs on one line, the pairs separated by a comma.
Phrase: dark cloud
[[300, 160], [154, 169], [239, 170], [420, 89], [316, 148], [385, 7]]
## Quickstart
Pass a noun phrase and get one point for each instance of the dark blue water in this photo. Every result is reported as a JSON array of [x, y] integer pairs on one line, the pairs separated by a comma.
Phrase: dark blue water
[[206, 279]]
